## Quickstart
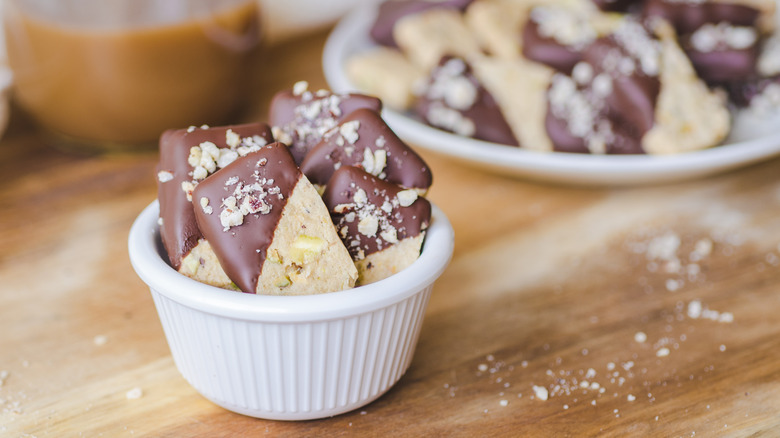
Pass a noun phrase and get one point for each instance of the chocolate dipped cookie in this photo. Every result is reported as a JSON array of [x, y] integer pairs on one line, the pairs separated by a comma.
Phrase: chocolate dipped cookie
[[427, 37], [721, 38], [382, 225], [300, 118], [364, 140], [634, 92], [453, 99], [269, 228], [390, 12], [187, 158]]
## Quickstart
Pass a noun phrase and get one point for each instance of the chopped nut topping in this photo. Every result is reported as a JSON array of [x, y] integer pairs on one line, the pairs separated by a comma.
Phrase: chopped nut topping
[[565, 26], [360, 197], [230, 215], [711, 37], [232, 139], [164, 176], [199, 173], [374, 163], [281, 135], [188, 187], [390, 235], [300, 87], [246, 199], [407, 197], [204, 204], [450, 119], [226, 156], [349, 131], [368, 226]]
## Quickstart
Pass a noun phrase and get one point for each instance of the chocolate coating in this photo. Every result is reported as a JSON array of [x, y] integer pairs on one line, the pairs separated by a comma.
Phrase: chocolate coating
[[618, 5], [687, 17], [305, 118], [547, 50], [406, 221], [389, 12], [485, 114], [404, 167], [623, 140], [241, 250], [722, 66], [741, 93], [179, 230], [634, 95], [626, 112]]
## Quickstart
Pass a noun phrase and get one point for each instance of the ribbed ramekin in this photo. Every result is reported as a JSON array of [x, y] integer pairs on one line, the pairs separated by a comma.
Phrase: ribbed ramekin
[[297, 357]]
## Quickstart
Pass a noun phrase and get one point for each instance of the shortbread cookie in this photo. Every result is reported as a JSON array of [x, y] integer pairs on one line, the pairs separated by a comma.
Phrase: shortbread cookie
[[385, 73], [496, 24], [389, 12], [427, 37], [520, 89], [269, 228], [364, 140], [300, 117], [382, 225], [688, 116], [453, 99], [187, 157]]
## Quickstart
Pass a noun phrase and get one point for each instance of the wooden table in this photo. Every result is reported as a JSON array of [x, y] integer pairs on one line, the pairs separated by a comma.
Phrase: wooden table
[[550, 287]]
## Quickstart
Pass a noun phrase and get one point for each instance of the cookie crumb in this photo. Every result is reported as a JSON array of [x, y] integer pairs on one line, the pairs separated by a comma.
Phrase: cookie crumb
[[134, 393], [540, 392]]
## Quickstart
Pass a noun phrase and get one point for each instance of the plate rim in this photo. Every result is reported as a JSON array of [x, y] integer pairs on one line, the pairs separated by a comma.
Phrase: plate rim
[[549, 166]]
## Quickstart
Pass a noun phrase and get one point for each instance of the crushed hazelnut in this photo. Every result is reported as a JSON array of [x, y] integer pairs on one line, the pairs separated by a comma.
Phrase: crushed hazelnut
[[164, 176]]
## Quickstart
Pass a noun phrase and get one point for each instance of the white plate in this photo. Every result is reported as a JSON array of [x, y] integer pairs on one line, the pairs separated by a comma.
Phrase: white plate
[[751, 141]]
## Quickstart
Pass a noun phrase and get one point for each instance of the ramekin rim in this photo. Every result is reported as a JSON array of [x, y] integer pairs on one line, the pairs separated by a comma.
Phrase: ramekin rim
[[163, 279]]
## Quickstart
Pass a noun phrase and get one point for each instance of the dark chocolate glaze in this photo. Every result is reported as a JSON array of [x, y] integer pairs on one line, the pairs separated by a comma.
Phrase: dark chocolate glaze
[[404, 167], [389, 12], [687, 17], [560, 136], [741, 93], [618, 5], [547, 50], [629, 110], [408, 221], [179, 230], [489, 122], [724, 64], [241, 250], [624, 140], [634, 96], [287, 112]]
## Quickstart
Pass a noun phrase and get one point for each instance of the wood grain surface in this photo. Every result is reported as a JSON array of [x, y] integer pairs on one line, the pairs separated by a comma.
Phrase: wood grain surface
[[550, 287]]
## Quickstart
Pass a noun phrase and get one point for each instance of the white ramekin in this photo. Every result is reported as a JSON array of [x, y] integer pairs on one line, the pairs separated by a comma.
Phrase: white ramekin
[[290, 358]]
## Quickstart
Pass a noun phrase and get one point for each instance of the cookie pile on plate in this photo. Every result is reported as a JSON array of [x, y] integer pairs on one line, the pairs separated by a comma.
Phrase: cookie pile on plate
[[586, 76], [323, 198]]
